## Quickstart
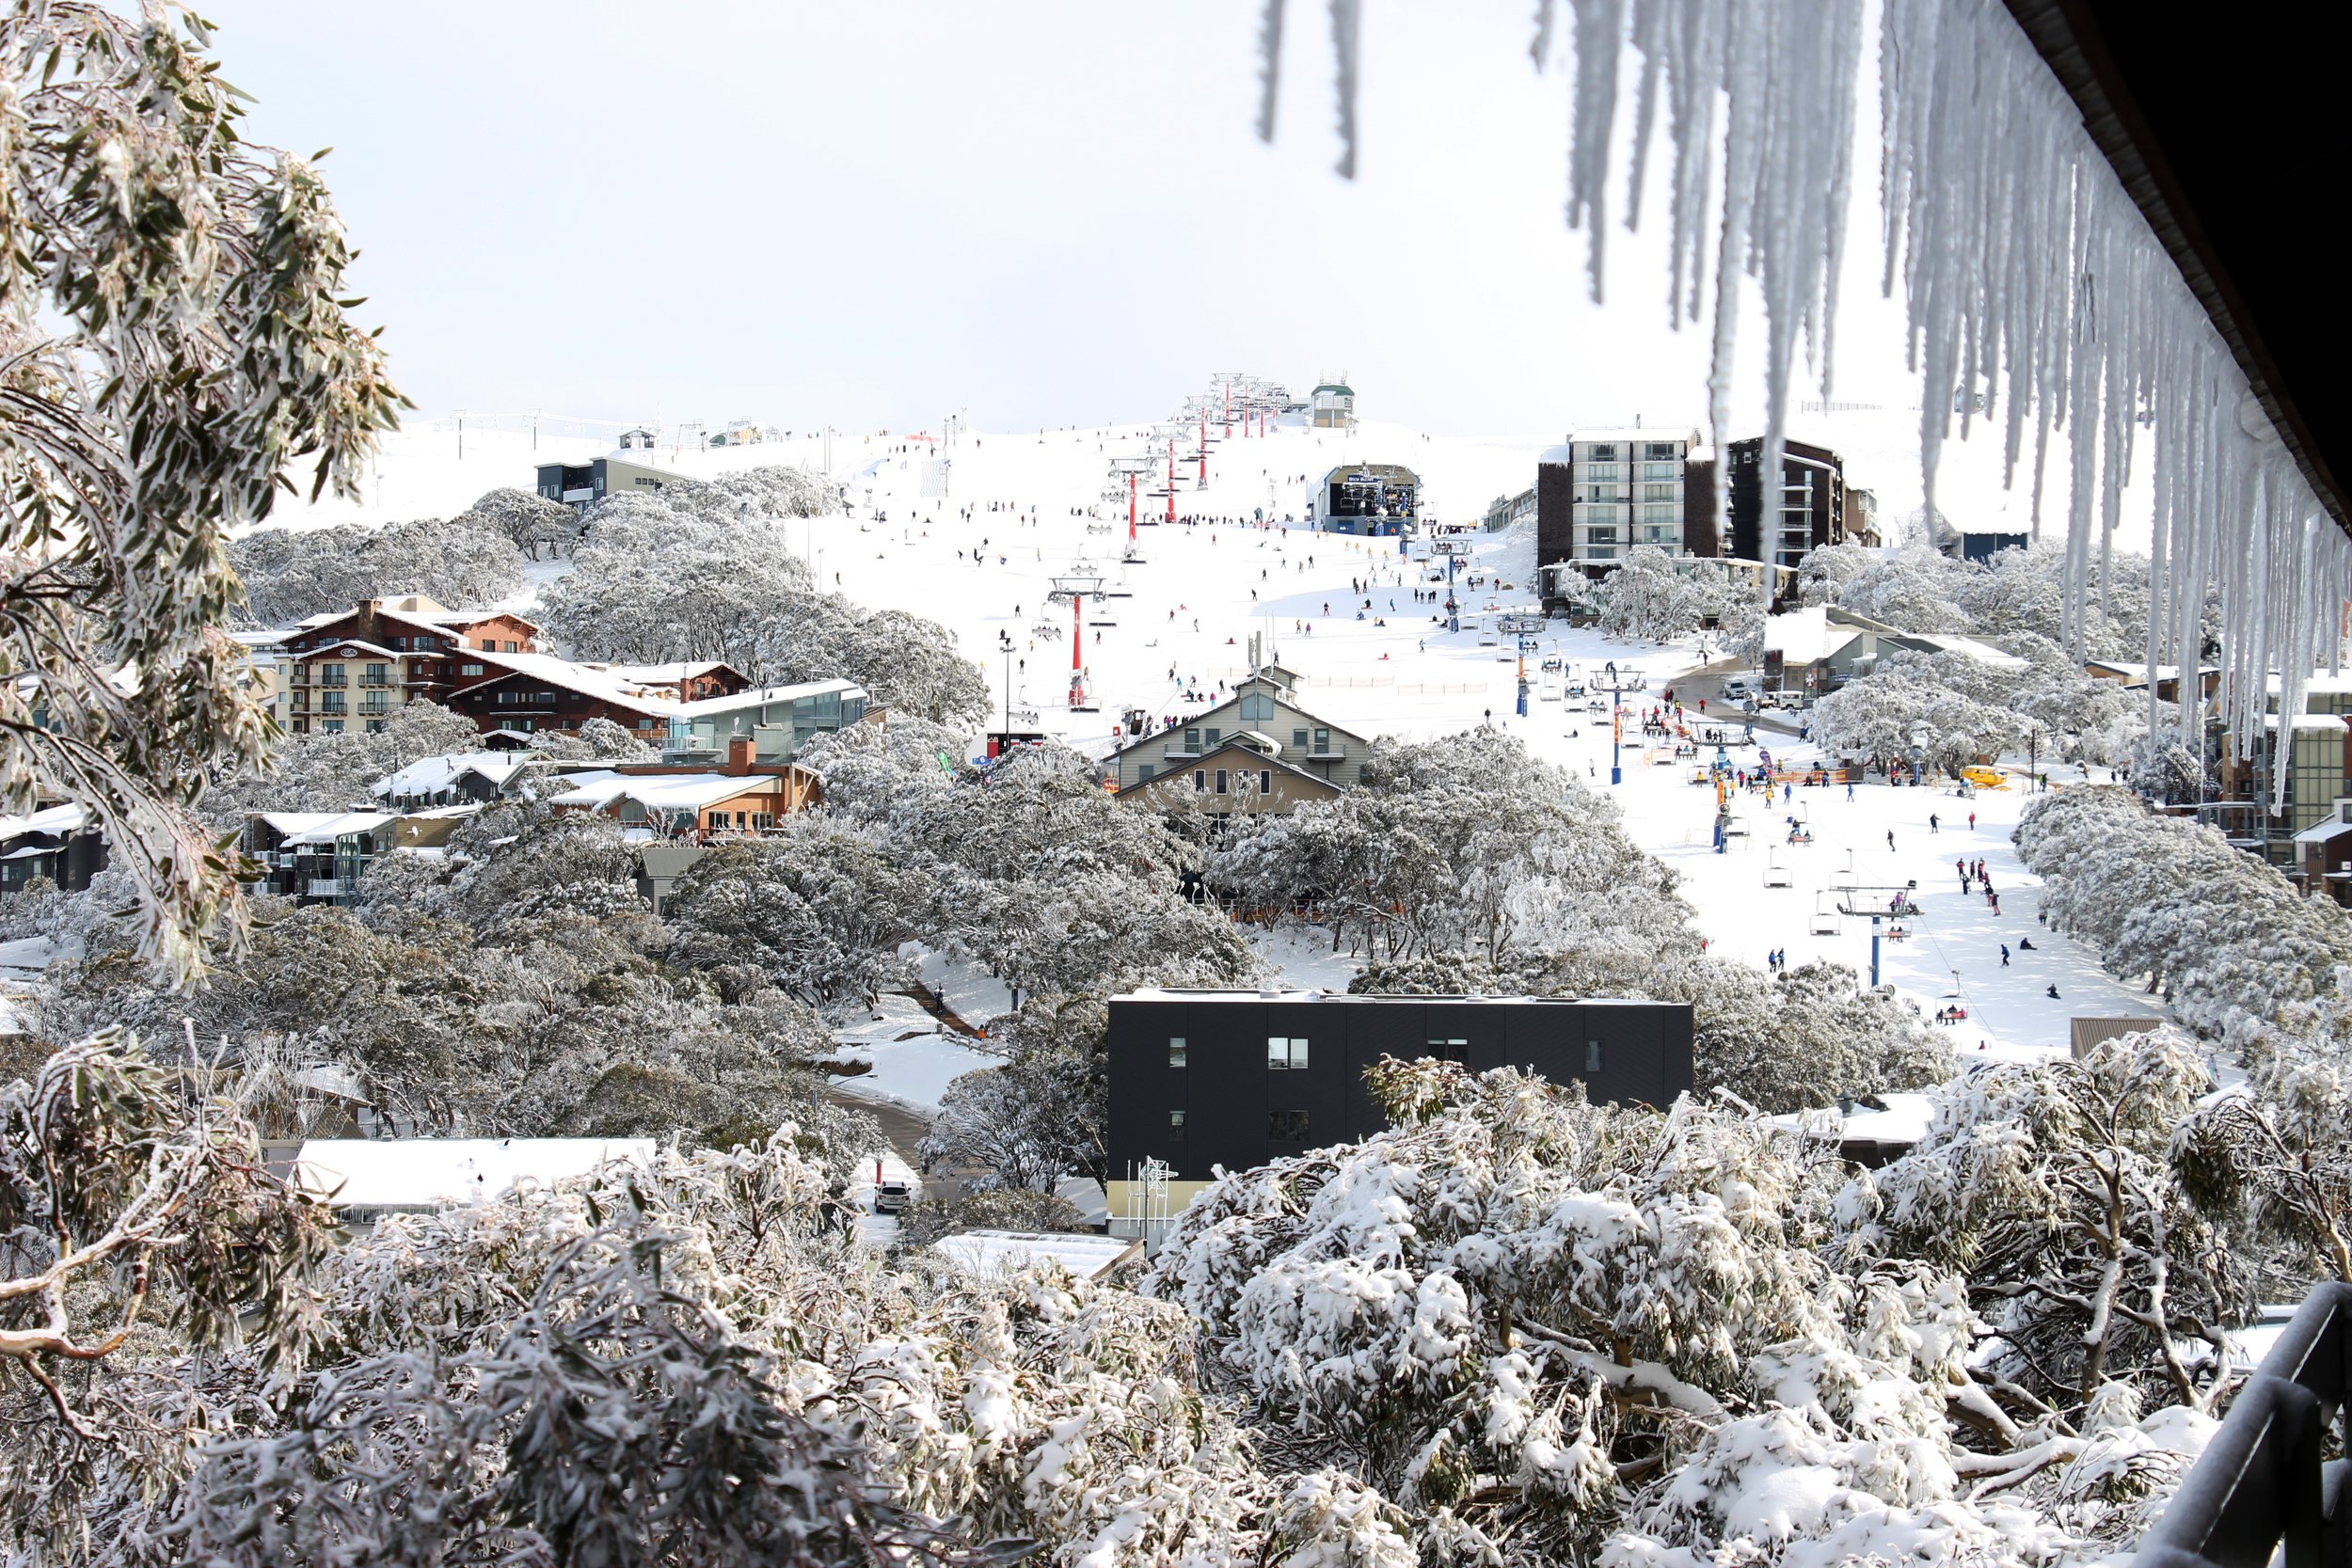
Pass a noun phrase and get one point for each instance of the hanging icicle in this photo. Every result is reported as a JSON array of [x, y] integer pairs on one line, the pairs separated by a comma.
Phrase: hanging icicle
[[2033, 287]]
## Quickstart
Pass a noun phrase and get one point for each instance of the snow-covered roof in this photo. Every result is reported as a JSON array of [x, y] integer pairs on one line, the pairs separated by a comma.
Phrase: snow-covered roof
[[1556, 455], [1897, 1118], [589, 681], [322, 827], [680, 670], [1183, 993], [1634, 433], [2306, 721], [1802, 636], [434, 774], [603, 787], [1983, 653], [1004, 1252], [759, 696], [426, 1173], [2320, 832], [63, 819], [349, 645]]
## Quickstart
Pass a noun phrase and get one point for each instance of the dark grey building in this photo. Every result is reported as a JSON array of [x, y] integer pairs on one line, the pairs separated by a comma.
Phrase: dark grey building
[[1207, 1078], [1809, 511]]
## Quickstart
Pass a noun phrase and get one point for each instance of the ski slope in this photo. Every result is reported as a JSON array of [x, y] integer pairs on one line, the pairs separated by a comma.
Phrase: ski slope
[[1020, 507]]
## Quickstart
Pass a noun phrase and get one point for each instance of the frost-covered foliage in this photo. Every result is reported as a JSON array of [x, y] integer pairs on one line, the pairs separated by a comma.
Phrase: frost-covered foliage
[[701, 573], [821, 909], [521, 993], [1044, 1112], [1647, 599], [2053, 1187], [2221, 935], [318, 771], [1466, 845], [171, 318], [691, 1363], [291, 574], [1909, 703], [1551, 1332], [533, 523], [1807, 1037]]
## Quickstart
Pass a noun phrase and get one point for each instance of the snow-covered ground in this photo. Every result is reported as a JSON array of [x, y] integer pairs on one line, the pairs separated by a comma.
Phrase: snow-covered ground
[[1180, 624], [913, 1058]]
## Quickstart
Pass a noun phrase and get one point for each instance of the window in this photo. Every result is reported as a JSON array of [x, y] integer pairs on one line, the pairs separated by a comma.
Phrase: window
[[1175, 1127], [1143, 773], [473, 669], [375, 702], [331, 702], [1662, 450], [1286, 1126], [376, 675], [330, 727], [333, 674], [1457, 1050], [1192, 740], [1591, 1055], [1661, 515], [1200, 781], [1214, 736], [1298, 738], [1285, 1053], [1658, 493], [1266, 780], [1220, 781], [302, 675], [375, 725], [1323, 741], [402, 643], [1601, 451], [1256, 704], [1175, 1050], [511, 648]]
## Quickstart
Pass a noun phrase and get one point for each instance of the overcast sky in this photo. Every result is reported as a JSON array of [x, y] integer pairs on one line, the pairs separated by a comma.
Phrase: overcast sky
[[1048, 211]]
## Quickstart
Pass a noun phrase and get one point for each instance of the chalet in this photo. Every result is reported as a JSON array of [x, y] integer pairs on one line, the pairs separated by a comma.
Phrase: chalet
[[461, 778], [356, 666], [57, 842], [535, 692], [1823, 647], [654, 801], [778, 720], [1238, 779], [1262, 711], [318, 857]]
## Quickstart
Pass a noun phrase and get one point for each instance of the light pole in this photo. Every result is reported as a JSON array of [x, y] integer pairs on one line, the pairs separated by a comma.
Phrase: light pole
[[1004, 730]]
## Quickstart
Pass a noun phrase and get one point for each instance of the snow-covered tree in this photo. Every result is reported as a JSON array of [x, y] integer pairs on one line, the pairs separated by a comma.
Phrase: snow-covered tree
[[171, 313], [533, 523], [289, 574], [319, 771], [1908, 704], [1646, 599]]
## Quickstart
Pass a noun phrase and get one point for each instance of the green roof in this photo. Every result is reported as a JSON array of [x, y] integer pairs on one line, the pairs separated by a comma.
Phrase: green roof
[[1333, 387]]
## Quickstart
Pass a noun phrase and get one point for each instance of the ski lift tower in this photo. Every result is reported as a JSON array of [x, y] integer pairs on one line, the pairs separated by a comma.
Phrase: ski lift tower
[[1072, 587], [1616, 682], [1526, 627]]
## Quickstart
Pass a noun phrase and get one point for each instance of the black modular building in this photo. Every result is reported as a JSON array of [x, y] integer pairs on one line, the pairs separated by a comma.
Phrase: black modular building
[[1208, 1078]]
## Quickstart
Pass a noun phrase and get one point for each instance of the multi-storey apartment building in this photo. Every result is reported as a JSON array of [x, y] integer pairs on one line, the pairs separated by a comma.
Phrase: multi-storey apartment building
[[1599, 493], [351, 668]]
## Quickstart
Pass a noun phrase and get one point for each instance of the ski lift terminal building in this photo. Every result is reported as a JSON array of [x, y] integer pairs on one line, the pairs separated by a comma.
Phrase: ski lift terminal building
[[1377, 498]]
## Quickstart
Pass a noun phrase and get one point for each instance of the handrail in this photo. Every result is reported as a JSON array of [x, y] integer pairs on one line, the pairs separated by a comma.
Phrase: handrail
[[2261, 1480]]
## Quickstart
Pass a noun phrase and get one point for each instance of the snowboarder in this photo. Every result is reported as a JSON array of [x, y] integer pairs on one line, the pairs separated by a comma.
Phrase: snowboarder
[[1932, 826], [2005, 954], [1890, 840], [2053, 993]]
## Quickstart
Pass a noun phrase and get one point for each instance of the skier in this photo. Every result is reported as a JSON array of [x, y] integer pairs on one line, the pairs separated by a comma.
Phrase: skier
[[2005, 954], [1972, 821], [1890, 840], [1932, 824]]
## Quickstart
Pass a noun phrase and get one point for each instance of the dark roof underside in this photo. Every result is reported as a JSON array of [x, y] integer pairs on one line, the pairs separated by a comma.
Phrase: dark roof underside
[[2228, 132]]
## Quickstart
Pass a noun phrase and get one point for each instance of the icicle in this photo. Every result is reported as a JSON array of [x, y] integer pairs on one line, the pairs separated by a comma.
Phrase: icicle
[[1269, 66], [2027, 275], [1346, 25]]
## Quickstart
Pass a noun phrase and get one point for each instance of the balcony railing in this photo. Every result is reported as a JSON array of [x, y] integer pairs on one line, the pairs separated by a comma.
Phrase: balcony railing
[[333, 887], [2263, 1479]]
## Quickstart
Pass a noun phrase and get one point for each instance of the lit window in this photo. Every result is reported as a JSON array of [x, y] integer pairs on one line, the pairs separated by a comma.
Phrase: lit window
[[1175, 1050]]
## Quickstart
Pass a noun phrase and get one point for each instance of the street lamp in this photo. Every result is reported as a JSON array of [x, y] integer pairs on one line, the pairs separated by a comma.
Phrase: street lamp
[[1003, 733]]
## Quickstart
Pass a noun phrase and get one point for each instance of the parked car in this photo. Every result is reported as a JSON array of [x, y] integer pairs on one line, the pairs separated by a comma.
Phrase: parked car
[[890, 1197], [1735, 687]]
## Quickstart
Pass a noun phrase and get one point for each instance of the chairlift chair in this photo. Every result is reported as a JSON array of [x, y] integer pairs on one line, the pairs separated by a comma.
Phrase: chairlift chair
[[1775, 874], [1825, 921]]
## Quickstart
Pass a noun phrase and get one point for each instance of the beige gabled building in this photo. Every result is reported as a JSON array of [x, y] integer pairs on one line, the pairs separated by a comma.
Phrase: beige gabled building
[[1236, 780], [1263, 714]]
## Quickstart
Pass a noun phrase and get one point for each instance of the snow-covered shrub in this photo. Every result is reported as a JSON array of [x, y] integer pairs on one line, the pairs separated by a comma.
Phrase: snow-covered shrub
[[1647, 600], [997, 1208]]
